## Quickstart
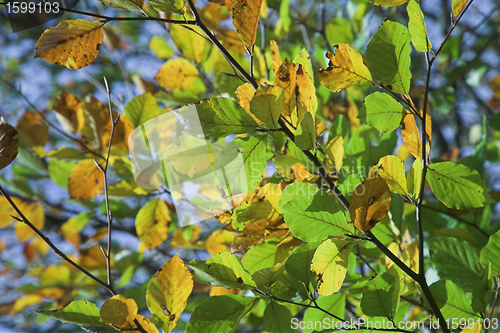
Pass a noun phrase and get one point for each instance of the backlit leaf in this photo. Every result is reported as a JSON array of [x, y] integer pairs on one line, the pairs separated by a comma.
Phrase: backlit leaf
[[72, 43], [382, 111], [85, 180], [141, 109], [8, 143], [286, 78], [220, 313], [458, 186], [267, 103], [32, 130], [345, 69], [189, 43], [381, 296], [370, 203], [334, 154], [152, 222], [277, 318], [305, 135], [134, 5], [171, 6], [259, 256], [388, 56], [451, 301], [330, 265], [225, 270], [66, 106], [414, 178], [118, 311], [388, 3], [219, 241], [177, 73], [411, 135], [305, 93], [246, 15], [298, 264], [457, 6], [160, 47], [489, 254], [82, 313], [334, 304], [168, 292], [417, 27], [392, 170]]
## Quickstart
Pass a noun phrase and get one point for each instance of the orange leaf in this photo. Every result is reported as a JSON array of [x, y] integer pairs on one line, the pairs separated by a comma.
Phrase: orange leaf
[[411, 135]]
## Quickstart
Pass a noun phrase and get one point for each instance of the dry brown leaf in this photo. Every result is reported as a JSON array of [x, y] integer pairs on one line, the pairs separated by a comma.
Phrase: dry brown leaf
[[72, 43], [8, 143]]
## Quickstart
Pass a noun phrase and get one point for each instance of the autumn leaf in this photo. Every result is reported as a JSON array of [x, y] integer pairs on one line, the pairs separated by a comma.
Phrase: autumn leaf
[[171, 6], [32, 130], [118, 311], [177, 73], [34, 212], [305, 135], [334, 154], [267, 103], [388, 3], [411, 135], [345, 69], [370, 203], [219, 241], [152, 222], [8, 143], [85, 180], [189, 43], [457, 6], [168, 292], [72, 43], [66, 106], [246, 15], [134, 5], [392, 170]]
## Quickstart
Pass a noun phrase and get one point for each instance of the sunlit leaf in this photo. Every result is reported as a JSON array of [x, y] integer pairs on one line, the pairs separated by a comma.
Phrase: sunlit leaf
[[188, 42], [184, 72], [246, 14], [451, 300], [456, 260], [334, 154], [219, 241], [411, 135], [489, 254], [382, 111], [457, 6], [85, 180], [152, 222], [134, 5], [277, 318], [381, 296], [8, 143], [304, 59], [141, 109], [168, 292], [35, 213], [458, 186], [334, 304], [417, 27], [392, 170], [388, 56], [259, 256], [305, 92], [388, 3], [345, 69], [66, 107], [72, 43], [220, 313], [286, 78], [305, 135], [171, 6], [330, 265], [414, 178], [118, 310], [82, 313], [160, 47], [338, 30], [370, 203], [225, 270], [267, 103]]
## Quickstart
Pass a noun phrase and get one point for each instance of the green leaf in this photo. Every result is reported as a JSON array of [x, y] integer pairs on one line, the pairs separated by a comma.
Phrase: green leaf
[[414, 178], [267, 277], [277, 318], [259, 256], [456, 260], [289, 288], [220, 313], [225, 270], [381, 111], [315, 217], [298, 264], [482, 291], [381, 296], [345, 69], [305, 135], [82, 313], [267, 104], [489, 254], [171, 6], [160, 47], [295, 189], [218, 116], [388, 56], [391, 169], [388, 3], [338, 30], [133, 5], [417, 28], [330, 265], [334, 304], [59, 171], [451, 300], [141, 109], [458, 186]]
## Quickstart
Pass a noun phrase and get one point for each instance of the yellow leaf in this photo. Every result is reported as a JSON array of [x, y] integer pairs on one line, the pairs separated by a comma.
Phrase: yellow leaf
[[411, 135], [277, 60], [92, 258], [320, 126], [92, 116], [85, 180], [35, 214], [152, 222], [245, 94], [8, 143], [219, 241], [32, 130], [118, 311], [217, 290], [177, 73], [145, 323], [66, 107], [185, 236], [168, 292], [72, 43], [305, 93], [476, 328], [414, 178], [53, 275], [246, 15], [428, 120], [190, 44], [25, 301], [345, 69], [457, 6], [330, 265], [334, 154], [369, 203], [392, 170], [388, 3], [494, 85], [286, 78]]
